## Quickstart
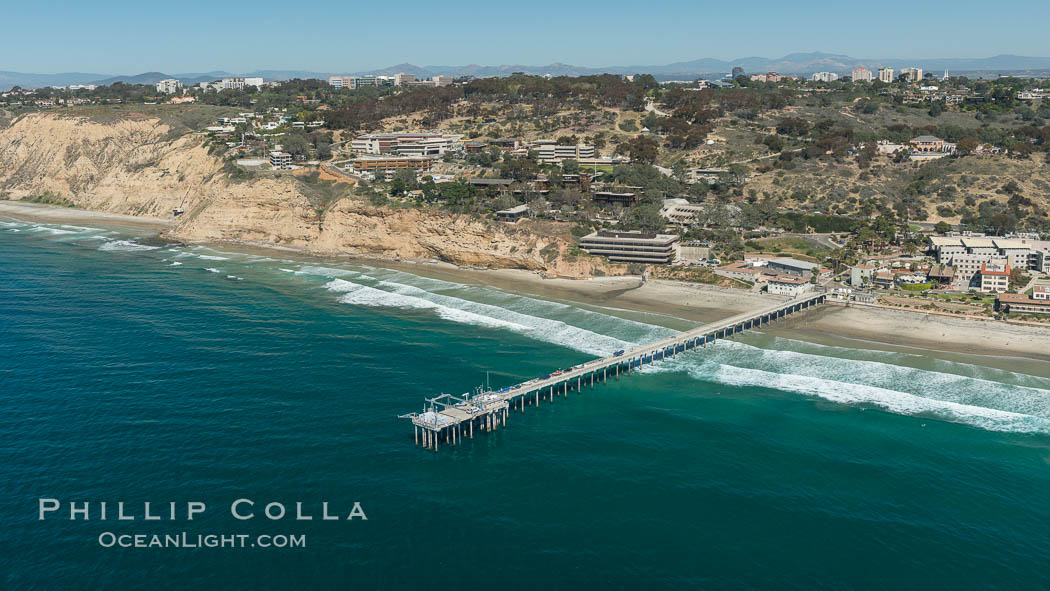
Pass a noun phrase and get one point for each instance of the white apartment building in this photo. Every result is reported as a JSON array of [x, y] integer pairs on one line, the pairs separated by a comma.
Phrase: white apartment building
[[861, 74], [886, 75], [824, 77], [241, 83], [169, 86]]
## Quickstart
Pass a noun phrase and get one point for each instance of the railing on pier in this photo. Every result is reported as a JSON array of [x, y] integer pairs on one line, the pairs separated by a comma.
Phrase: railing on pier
[[449, 419]]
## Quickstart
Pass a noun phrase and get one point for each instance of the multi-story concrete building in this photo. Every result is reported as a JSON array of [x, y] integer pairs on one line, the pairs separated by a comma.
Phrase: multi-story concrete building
[[169, 86], [886, 75], [403, 79], [391, 163], [241, 83], [632, 247], [1041, 292], [912, 74], [340, 81], [280, 160], [861, 74], [795, 267], [787, 285], [968, 253], [355, 82], [824, 77], [861, 275], [995, 277], [405, 144], [968, 268], [550, 152]]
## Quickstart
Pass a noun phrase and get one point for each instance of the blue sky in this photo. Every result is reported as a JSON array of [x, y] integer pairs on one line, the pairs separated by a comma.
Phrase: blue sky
[[124, 37]]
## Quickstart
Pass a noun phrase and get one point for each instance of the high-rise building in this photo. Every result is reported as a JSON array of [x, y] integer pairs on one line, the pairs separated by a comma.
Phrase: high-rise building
[[824, 77], [737, 71], [886, 75], [861, 74], [912, 74], [169, 86]]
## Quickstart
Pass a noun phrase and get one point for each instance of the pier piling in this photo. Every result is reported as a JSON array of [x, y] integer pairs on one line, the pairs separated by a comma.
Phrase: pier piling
[[453, 417]]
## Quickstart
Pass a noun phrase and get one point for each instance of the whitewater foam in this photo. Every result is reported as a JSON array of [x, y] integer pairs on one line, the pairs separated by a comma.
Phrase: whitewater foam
[[125, 245], [891, 400]]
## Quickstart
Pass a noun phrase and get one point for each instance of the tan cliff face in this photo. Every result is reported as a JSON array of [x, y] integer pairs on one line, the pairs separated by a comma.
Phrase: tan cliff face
[[134, 167]]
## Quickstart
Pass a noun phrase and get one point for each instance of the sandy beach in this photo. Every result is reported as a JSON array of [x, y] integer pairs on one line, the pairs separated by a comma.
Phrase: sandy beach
[[66, 215], [682, 305]]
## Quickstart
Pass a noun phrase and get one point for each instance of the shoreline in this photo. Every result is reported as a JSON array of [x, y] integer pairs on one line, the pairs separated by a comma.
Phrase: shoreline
[[679, 305], [42, 212], [682, 306]]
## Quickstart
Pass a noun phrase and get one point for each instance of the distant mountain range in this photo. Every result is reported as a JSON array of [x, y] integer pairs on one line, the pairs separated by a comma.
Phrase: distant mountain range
[[11, 79], [795, 63]]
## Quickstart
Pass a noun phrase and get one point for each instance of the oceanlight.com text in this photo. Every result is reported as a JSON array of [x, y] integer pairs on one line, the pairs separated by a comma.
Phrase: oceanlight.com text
[[195, 541]]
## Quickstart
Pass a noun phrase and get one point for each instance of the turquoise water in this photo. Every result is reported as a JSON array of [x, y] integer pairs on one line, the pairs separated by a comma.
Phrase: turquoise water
[[139, 373]]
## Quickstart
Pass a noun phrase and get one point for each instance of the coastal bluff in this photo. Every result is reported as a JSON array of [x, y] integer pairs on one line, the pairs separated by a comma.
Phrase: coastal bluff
[[138, 166]]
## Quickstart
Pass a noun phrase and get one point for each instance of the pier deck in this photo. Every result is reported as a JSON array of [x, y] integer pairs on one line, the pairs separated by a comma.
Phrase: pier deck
[[449, 419]]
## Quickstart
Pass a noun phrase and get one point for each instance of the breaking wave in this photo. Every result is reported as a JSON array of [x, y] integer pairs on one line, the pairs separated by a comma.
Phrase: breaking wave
[[125, 245], [893, 401], [396, 295], [906, 383], [894, 382]]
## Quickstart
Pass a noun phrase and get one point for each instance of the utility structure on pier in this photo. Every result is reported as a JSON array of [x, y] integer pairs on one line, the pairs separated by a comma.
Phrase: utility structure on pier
[[448, 419]]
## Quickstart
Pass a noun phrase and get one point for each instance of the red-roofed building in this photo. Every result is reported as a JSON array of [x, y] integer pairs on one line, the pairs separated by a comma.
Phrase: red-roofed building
[[995, 277]]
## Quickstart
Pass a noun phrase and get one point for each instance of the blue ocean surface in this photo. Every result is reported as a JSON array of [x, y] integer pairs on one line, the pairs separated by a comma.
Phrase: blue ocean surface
[[140, 372]]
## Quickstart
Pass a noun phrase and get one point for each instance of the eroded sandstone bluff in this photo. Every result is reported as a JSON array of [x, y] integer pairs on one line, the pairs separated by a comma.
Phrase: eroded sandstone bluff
[[136, 167]]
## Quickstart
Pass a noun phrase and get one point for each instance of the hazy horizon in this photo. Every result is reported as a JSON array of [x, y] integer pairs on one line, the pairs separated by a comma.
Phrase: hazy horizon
[[125, 38]]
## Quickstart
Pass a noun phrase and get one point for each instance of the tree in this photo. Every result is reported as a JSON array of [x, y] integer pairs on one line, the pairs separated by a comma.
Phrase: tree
[[644, 217], [967, 145], [942, 227], [1017, 277], [795, 126], [641, 149], [295, 144]]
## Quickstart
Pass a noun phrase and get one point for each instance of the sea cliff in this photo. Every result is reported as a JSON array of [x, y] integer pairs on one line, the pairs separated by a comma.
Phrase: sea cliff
[[138, 166]]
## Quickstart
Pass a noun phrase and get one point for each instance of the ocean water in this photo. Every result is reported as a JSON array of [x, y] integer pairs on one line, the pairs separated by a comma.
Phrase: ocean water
[[136, 372]]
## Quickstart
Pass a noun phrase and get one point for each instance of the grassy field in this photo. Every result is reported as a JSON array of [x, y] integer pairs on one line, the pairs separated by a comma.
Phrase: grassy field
[[798, 247]]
